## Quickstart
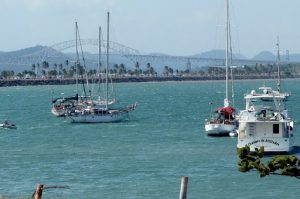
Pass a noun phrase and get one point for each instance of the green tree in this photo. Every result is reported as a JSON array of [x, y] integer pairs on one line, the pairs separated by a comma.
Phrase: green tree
[[33, 67], [278, 165], [60, 69], [137, 68]]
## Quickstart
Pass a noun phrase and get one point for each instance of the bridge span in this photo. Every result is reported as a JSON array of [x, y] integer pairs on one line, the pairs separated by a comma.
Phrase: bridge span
[[56, 51]]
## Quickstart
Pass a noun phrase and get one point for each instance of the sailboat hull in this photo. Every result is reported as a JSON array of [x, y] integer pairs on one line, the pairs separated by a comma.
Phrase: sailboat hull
[[219, 129], [58, 112], [105, 118]]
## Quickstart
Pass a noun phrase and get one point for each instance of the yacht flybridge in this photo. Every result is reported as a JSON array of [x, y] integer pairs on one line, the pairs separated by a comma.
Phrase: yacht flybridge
[[265, 122]]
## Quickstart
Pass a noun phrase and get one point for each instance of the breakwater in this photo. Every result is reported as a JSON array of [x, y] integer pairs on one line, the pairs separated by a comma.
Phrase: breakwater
[[65, 81]]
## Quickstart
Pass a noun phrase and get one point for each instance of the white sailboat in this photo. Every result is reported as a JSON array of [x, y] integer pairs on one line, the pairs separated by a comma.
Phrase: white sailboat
[[268, 91], [265, 123], [62, 105], [223, 122], [94, 114]]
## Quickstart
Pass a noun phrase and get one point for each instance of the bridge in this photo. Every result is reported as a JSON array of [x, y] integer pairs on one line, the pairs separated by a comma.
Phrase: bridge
[[56, 51]]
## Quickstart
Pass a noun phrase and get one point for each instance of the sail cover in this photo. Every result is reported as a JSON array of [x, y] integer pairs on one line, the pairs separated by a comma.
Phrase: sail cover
[[227, 110]]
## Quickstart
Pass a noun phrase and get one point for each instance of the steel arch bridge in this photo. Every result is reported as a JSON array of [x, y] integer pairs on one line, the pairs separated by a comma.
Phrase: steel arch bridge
[[56, 51]]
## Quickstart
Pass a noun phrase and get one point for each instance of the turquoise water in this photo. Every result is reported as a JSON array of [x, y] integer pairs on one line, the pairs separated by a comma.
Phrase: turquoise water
[[144, 157]]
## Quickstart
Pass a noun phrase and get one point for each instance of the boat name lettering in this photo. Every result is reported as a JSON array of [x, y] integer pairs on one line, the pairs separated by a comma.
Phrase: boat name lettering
[[262, 141]]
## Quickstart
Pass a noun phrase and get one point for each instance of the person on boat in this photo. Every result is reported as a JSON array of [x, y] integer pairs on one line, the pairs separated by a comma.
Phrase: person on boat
[[262, 113], [5, 123]]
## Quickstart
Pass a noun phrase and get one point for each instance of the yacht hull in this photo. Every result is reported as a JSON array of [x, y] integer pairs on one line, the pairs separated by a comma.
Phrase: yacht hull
[[270, 144]]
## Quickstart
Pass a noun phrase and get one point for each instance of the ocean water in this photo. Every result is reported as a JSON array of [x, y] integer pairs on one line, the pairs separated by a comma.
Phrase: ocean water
[[142, 158]]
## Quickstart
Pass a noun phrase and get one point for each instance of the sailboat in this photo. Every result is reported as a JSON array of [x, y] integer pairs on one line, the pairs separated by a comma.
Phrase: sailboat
[[62, 105], [223, 122], [95, 114], [267, 92]]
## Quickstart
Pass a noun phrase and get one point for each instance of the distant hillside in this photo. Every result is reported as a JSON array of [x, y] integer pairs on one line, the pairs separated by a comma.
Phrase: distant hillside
[[218, 54], [36, 51], [56, 57], [265, 55], [22, 52], [292, 58], [158, 54]]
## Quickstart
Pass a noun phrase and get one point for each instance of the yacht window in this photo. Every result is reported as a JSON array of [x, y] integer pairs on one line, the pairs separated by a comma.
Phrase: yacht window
[[276, 128]]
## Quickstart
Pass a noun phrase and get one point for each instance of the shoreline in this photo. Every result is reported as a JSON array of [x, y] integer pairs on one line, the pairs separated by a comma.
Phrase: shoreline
[[66, 81]]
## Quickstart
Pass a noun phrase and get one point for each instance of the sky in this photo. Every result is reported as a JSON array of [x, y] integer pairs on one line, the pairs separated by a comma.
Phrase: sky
[[174, 27]]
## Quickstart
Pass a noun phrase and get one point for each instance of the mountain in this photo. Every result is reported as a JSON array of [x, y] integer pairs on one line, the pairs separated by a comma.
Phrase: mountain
[[218, 54], [292, 58], [268, 56], [265, 56], [29, 56], [38, 54], [158, 54], [22, 52]]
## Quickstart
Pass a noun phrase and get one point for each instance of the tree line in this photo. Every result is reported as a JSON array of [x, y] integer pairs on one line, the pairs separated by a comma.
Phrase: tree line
[[67, 70]]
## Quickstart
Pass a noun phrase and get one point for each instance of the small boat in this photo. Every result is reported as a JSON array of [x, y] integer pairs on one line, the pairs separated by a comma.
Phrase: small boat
[[6, 125]]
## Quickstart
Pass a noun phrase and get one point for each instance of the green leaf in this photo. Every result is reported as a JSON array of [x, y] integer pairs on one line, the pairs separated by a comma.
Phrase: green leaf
[[292, 160]]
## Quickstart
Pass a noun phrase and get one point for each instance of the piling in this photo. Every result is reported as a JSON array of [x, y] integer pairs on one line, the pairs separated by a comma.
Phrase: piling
[[38, 191], [183, 187]]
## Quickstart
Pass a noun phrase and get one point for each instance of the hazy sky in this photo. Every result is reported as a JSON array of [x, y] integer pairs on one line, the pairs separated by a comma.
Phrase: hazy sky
[[175, 27]]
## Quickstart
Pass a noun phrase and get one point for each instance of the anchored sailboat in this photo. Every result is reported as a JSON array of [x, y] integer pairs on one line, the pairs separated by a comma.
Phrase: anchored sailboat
[[267, 93], [223, 122], [62, 105], [96, 114]]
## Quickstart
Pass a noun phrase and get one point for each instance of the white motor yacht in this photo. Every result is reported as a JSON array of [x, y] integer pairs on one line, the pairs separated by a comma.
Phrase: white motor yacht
[[265, 122]]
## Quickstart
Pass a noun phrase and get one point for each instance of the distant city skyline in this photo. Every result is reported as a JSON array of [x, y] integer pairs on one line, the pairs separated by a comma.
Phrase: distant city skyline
[[154, 26]]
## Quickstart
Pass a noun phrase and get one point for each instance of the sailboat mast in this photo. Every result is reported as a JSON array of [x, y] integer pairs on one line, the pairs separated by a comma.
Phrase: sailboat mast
[[99, 62], [230, 64], [278, 64], [107, 63], [77, 56], [99, 55], [226, 53]]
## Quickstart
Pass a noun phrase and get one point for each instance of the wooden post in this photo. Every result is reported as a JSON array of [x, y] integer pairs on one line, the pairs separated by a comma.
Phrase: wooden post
[[38, 191], [183, 187]]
